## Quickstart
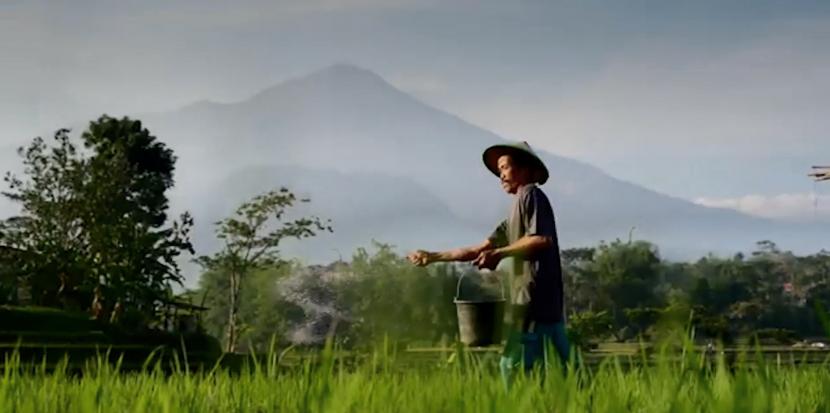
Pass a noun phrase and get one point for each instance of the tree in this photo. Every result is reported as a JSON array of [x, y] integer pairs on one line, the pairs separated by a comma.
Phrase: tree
[[628, 274], [580, 278], [49, 232], [252, 242], [263, 313], [98, 219], [130, 173]]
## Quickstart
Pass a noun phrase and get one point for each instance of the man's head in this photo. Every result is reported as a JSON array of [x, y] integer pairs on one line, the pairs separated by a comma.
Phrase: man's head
[[515, 171], [515, 165]]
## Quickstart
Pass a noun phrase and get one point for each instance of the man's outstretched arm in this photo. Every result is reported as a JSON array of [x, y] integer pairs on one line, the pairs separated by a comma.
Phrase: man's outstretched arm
[[422, 258]]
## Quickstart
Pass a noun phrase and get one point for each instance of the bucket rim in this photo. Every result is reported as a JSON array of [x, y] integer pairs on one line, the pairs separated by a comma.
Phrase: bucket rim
[[458, 294]]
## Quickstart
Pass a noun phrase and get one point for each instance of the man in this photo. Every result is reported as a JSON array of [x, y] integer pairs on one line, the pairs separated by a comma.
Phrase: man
[[528, 236]]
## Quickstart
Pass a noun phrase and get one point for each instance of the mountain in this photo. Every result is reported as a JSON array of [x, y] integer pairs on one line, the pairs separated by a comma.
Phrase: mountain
[[343, 119], [383, 165]]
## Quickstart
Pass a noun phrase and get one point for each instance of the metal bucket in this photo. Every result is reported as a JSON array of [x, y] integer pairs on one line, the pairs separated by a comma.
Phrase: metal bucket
[[479, 321]]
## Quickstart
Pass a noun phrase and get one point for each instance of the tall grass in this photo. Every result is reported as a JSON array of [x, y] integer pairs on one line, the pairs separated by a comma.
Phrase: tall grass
[[674, 382]]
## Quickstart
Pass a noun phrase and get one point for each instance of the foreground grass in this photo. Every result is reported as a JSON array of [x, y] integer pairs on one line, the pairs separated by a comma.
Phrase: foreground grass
[[467, 384]]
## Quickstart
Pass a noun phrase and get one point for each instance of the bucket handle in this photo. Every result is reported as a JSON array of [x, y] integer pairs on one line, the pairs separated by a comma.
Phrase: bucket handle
[[458, 287]]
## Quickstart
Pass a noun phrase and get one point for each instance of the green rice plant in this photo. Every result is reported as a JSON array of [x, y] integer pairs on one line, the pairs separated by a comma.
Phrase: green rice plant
[[676, 378]]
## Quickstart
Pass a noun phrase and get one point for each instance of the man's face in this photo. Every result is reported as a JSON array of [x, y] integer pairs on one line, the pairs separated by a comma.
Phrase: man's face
[[512, 176]]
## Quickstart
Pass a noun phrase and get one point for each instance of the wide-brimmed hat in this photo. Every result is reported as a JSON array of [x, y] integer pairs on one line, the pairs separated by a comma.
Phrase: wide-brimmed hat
[[492, 154]]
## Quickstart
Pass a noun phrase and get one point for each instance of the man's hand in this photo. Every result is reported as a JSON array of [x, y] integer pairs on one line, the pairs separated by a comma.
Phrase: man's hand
[[421, 258], [488, 259]]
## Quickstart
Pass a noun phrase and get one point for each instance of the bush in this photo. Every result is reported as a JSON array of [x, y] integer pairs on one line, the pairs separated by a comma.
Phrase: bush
[[587, 326], [716, 327], [775, 336], [641, 319]]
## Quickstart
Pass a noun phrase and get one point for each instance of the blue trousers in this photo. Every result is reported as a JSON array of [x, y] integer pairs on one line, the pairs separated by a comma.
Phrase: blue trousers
[[524, 349]]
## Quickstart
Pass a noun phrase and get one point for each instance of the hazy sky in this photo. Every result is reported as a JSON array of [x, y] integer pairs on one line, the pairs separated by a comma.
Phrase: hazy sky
[[725, 103]]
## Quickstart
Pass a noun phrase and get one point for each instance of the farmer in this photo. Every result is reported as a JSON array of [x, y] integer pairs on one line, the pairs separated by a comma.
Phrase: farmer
[[528, 236]]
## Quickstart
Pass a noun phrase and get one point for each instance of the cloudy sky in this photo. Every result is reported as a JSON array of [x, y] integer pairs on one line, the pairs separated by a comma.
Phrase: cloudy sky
[[723, 103]]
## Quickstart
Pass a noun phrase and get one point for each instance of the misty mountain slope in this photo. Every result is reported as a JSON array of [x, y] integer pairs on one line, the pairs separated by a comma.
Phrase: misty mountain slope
[[362, 207], [343, 119]]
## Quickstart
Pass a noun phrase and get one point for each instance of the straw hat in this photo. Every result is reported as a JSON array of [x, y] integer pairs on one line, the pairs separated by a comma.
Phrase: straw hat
[[492, 154]]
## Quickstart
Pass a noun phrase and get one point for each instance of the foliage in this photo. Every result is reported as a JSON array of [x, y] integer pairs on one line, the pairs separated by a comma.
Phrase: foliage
[[97, 220], [587, 326], [378, 295], [731, 297], [251, 244]]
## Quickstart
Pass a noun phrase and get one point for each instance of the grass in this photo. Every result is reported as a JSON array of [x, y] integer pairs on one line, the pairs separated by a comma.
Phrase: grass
[[75, 377], [463, 382]]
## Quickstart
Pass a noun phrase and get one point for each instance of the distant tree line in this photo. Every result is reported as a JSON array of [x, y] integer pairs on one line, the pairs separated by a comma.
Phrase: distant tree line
[[624, 290], [617, 291]]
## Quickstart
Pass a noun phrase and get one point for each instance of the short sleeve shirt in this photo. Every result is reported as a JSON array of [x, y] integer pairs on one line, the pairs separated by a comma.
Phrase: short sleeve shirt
[[536, 290]]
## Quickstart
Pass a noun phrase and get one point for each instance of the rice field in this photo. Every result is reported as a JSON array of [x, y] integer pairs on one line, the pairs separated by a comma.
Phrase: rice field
[[461, 382]]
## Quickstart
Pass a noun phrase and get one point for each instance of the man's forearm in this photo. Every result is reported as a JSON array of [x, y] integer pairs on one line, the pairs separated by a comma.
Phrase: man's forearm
[[458, 254], [525, 246]]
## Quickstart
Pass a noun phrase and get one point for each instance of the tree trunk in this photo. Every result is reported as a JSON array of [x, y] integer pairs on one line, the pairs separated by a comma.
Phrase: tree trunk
[[232, 314]]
